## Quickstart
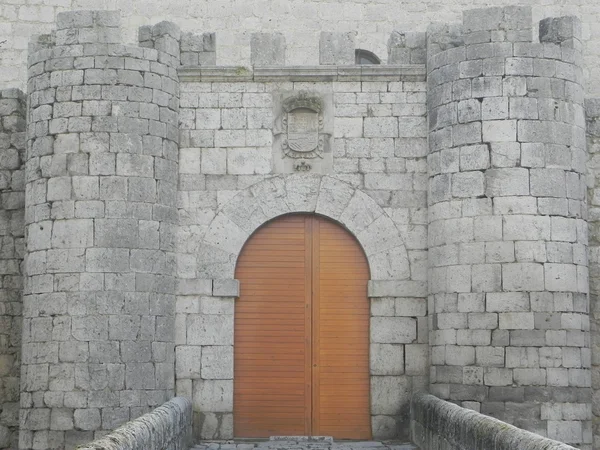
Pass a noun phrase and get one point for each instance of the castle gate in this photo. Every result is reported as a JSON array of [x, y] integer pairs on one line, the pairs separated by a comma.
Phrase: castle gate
[[301, 340]]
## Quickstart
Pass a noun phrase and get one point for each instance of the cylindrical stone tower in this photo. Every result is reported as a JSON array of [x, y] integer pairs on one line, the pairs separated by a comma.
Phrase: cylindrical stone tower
[[508, 221], [101, 173]]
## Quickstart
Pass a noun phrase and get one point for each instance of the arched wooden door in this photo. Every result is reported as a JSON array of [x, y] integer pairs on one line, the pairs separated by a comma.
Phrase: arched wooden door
[[301, 340]]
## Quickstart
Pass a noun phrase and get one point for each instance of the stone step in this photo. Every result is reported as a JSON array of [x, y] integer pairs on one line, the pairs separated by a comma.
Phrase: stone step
[[302, 443]]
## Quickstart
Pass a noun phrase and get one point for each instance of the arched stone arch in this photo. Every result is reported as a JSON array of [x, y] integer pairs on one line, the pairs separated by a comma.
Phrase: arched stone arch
[[235, 222]]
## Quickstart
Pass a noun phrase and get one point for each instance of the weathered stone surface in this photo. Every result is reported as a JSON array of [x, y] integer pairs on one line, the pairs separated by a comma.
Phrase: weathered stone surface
[[428, 410]]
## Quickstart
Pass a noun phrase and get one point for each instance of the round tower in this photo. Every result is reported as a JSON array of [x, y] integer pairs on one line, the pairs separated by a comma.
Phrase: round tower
[[101, 174], [508, 291]]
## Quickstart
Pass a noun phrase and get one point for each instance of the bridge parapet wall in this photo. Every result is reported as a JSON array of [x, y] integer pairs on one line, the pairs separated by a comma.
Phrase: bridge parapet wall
[[168, 427], [442, 425]]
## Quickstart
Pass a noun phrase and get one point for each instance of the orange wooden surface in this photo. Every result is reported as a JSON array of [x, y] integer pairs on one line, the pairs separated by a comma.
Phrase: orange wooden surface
[[301, 349]]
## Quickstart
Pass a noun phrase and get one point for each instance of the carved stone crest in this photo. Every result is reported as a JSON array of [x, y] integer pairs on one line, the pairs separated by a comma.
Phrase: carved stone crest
[[303, 121], [302, 132]]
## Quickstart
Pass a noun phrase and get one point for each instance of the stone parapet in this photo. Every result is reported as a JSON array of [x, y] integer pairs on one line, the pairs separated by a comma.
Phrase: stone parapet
[[168, 427], [101, 174], [436, 424], [508, 270]]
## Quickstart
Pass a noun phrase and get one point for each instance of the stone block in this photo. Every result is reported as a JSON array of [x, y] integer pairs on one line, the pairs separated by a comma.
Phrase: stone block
[[140, 376], [499, 131], [389, 394], [267, 49], [498, 18], [474, 157], [107, 260], [210, 330], [506, 182], [387, 359], [87, 419], [526, 228], [507, 302], [523, 277], [336, 48], [467, 184], [393, 330], [516, 321], [494, 108], [486, 277], [460, 355], [73, 233], [560, 277], [506, 154], [557, 30], [226, 288], [217, 362], [188, 362], [548, 182], [213, 395]]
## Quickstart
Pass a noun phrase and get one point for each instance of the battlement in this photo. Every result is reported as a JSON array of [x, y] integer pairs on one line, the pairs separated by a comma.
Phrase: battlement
[[504, 32], [485, 32]]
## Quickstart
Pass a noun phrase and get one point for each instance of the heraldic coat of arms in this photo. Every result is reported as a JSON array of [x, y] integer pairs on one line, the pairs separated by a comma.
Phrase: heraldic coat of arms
[[302, 122]]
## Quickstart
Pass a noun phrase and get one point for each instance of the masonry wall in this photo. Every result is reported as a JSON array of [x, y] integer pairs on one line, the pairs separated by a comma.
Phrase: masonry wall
[[508, 232], [300, 21], [592, 107], [12, 197], [101, 173], [228, 188]]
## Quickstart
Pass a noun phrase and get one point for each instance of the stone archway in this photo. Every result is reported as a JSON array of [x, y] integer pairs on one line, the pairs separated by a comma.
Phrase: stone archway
[[391, 329], [324, 195]]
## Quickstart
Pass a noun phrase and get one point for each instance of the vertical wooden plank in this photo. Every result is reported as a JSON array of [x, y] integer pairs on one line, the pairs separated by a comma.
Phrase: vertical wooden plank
[[308, 268], [316, 359]]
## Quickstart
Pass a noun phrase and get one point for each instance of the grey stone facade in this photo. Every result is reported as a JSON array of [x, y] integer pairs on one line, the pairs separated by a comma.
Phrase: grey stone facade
[[148, 167]]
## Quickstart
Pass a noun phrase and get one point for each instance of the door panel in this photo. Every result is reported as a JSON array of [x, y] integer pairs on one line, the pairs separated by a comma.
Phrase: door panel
[[272, 319], [341, 393], [302, 332]]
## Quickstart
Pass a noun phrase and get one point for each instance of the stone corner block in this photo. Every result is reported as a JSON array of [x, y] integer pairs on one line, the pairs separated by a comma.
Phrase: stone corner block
[[267, 49], [226, 288], [336, 48]]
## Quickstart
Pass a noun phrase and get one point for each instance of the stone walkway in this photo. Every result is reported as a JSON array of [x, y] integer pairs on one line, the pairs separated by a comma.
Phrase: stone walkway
[[299, 443]]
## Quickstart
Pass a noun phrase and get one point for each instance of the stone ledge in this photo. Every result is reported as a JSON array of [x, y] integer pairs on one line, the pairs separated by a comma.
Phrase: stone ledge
[[226, 288], [408, 72]]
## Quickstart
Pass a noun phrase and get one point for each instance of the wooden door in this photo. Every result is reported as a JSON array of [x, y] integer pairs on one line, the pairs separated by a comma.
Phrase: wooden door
[[301, 346]]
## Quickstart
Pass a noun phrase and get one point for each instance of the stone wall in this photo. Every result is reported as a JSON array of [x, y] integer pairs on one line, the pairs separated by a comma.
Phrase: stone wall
[[12, 197], [168, 427], [376, 188], [300, 21], [508, 231], [437, 424], [101, 176], [592, 107]]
